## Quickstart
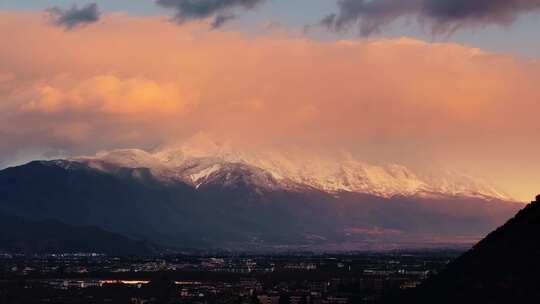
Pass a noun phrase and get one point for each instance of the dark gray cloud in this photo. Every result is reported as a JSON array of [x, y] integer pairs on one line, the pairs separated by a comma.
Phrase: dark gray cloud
[[439, 16], [74, 17], [219, 10], [221, 19]]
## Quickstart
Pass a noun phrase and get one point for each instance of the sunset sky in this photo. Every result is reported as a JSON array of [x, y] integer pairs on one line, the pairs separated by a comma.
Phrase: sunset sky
[[452, 84]]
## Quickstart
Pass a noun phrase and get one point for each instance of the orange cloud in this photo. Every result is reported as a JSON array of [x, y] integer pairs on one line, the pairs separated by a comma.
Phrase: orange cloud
[[111, 95], [133, 81]]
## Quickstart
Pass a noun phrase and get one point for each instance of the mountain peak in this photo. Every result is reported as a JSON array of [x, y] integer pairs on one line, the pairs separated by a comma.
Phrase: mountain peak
[[209, 202], [199, 158]]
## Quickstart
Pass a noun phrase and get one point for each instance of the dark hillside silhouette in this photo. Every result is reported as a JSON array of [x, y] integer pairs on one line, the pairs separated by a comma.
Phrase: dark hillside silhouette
[[502, 268]]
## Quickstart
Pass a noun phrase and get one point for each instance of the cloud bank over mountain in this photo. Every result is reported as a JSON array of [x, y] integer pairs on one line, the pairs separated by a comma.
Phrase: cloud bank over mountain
[[119, 84]]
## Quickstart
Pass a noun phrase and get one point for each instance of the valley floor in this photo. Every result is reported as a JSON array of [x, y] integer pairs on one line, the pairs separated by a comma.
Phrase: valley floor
[[269, 279]]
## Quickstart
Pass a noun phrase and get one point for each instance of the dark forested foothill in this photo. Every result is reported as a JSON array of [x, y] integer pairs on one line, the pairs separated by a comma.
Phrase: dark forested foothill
[[502, 268]]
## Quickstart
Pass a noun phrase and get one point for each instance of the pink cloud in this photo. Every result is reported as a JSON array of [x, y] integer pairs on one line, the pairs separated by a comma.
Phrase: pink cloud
[[140, 82]]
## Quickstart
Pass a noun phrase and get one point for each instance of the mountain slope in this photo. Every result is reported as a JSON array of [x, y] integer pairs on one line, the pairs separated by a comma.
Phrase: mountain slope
[[131, 202], [239, 207], [502, 268], [50, 236]]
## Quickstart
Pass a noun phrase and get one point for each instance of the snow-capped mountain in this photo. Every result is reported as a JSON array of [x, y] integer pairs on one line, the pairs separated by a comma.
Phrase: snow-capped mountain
[[201, 160], [202, 194]]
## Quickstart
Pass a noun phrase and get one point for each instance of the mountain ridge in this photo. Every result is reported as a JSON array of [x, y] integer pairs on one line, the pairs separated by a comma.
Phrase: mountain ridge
[[193, 163], [236, 209]]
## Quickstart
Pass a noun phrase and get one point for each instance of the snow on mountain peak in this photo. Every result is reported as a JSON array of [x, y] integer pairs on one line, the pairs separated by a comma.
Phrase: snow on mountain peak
[[200, 159], [199, 146]]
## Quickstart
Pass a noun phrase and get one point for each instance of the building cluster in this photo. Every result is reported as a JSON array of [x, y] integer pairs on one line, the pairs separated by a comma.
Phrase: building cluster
[[265, 279]]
